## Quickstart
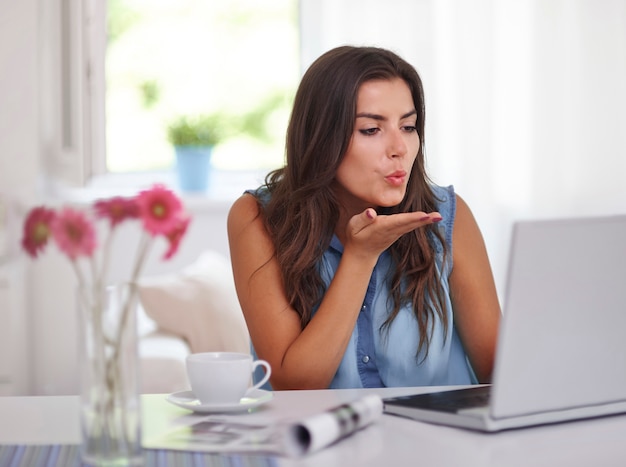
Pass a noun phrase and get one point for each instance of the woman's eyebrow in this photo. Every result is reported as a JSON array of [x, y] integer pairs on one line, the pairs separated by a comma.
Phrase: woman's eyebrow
[[380, 117]]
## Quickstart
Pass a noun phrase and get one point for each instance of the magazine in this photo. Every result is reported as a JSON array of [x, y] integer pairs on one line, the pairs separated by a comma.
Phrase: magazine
[[221, 434]]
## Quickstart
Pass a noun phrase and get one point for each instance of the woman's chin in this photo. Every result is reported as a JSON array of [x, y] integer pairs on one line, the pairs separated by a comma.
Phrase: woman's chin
[[391, 201]]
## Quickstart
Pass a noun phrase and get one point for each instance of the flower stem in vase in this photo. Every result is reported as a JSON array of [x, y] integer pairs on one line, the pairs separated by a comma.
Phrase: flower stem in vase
[[110, 404]]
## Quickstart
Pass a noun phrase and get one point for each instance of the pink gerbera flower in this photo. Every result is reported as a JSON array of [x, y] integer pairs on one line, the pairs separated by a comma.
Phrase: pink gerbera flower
[[175, 235], [37, 230], [74, 233], [117, 209], [159, 210]]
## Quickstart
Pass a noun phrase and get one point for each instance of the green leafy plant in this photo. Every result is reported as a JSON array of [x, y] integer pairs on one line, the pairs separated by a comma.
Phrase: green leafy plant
[[198, 130]]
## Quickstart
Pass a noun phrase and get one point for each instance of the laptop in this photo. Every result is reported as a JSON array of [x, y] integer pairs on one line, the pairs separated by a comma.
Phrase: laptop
[[561, 351]]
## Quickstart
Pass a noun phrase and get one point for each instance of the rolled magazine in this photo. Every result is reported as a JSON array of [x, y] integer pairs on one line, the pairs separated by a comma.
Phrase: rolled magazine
[[318, 431], [293, 438]]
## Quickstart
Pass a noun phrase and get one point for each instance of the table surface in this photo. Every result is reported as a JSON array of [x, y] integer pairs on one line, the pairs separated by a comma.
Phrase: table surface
[[390, 441]]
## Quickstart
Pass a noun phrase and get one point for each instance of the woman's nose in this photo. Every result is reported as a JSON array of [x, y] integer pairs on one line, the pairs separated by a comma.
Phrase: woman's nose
[[397, 145]]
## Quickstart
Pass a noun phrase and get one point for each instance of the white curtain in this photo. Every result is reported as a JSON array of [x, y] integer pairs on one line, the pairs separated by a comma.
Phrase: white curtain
[[525, 100]]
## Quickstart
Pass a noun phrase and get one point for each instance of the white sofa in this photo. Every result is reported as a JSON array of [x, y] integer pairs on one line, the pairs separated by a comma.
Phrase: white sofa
[[162, 359], [194, 310]]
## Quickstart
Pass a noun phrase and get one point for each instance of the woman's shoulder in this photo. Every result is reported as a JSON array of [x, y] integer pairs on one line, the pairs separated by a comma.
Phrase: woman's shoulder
[[248, 202], [243, 210], [261, 193]]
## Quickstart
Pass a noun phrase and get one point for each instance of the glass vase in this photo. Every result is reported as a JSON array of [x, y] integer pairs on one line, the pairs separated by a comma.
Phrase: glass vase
[[109, 364]]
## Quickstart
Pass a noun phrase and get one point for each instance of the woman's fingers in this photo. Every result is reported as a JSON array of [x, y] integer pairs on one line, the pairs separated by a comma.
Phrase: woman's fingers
[[378, 232], [407, 221], [361, 221]]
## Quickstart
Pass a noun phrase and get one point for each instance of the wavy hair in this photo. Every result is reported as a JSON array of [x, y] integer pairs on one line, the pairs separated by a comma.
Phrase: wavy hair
[[302, 211]]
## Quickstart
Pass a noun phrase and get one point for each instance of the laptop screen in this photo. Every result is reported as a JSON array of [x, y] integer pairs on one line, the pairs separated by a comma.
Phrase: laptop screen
[[562, 340]]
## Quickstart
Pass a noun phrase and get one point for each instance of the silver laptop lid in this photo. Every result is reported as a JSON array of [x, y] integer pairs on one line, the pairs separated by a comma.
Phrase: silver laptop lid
[[562, 342]]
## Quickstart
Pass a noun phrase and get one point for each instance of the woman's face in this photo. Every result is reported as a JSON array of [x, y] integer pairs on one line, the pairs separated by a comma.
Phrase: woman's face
[[376, 167]]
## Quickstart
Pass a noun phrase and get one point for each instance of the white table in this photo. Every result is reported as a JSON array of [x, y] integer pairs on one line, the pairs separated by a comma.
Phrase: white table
[[392, 441]]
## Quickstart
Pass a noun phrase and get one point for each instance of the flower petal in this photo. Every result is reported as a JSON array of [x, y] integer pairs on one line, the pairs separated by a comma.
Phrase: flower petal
[[159, 209], [116, 209], [74, 233], [37, 230], [175, 236]]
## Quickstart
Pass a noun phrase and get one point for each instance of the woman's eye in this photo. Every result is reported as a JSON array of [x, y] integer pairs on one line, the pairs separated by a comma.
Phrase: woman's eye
[[409, 128], [369, 131]]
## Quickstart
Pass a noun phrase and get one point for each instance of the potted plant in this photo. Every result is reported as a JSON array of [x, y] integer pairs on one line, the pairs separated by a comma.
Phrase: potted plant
[[193, 138]]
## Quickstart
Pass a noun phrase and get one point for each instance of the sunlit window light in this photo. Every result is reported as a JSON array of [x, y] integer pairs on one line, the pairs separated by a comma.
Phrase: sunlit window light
[[168, 58]]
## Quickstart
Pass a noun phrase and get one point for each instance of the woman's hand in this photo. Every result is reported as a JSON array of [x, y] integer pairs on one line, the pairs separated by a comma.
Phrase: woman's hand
[[370, 234]]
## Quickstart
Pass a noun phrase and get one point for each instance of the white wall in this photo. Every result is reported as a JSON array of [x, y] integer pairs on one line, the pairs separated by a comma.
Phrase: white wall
[[19, 161], [19, 170], [525, 100]]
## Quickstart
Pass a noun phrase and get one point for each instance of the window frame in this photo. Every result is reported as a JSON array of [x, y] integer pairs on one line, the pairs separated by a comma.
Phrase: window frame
[[72, 41]]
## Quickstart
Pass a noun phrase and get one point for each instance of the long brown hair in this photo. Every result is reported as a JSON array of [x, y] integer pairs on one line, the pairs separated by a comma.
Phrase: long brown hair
[[302, 211]]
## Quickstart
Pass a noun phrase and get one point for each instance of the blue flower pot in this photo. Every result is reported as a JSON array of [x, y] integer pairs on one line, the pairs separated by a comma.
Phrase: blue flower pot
[[192, 165]]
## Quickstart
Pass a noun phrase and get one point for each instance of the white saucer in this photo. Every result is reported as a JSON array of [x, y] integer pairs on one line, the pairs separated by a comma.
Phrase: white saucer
[[252, 399]]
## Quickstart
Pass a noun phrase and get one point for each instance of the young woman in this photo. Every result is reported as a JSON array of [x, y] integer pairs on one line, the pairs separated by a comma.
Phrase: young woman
[[352, 268]]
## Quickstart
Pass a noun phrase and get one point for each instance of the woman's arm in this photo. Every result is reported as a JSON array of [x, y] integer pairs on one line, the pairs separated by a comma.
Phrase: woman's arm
[[300, 359], [474, 298], [306, 358]]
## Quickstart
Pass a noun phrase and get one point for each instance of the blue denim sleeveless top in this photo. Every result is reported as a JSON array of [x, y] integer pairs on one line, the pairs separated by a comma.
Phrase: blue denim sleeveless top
[[376, 358]]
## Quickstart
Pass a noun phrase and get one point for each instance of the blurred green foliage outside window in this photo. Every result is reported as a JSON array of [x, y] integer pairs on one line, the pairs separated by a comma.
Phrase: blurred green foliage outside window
[[171, 58]]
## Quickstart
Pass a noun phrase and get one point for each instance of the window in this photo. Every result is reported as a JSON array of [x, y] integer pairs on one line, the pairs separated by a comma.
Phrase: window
[[115, 72], [168, 58]]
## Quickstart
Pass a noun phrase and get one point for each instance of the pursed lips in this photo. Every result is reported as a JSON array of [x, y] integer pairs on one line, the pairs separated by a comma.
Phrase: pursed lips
[[396, 178]]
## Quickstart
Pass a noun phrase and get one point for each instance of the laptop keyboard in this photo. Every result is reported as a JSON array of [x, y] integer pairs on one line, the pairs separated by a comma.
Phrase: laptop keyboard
[[446, 401]]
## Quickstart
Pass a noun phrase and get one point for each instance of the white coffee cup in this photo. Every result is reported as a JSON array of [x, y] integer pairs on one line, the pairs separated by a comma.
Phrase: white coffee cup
[[223, 377]]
